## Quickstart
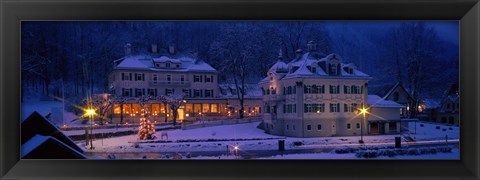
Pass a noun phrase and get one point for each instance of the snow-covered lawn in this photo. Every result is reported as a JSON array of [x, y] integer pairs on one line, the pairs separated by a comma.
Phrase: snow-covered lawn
[[248, 137], [454, 155]]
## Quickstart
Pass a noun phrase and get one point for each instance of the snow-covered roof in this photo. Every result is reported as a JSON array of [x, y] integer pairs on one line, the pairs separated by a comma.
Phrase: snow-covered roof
[[302, 66], [377, 101], [147, 62], [38, 140], [432, 103], [228, 90], [278, 66]]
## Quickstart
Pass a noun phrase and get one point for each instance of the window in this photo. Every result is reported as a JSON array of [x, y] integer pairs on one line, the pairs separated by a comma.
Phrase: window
[[186, 92], [358, 125], [169, 91], [294, 90], [319, 127], [307, 89], [197, 78], [274, 91], [214, 108], [139, 92], [169, 78], [314, 70], [334, 89], [197, 93], [139, 77], [349, 126], [167, 65], [335, 107], [182, 78], [308, 108], [353, 107], [126, 76], [349, 107], [309, 127], [346, 89], [125, 92], [208, 78], [205, 108], [152, 92], [154, 78], [208, 93], [319, 108], [197, 108], [188, 108], [178, 65], [287, 126], [289, 90], [333, 68]]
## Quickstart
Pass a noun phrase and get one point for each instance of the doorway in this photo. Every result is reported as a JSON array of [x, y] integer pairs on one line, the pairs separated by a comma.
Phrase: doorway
[[181, 114]]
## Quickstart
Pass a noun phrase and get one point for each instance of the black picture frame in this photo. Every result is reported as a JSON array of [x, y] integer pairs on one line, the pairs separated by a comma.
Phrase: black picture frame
[[13, 12]]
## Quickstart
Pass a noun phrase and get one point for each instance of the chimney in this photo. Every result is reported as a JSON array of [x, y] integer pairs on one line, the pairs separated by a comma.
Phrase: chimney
[[128, 49], [299, 53], [171, 49], [154, 48]]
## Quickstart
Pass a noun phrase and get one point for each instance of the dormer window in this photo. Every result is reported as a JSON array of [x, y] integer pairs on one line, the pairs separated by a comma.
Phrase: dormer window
[[167, 65], [178, 65], [157, 65], [333, 69]]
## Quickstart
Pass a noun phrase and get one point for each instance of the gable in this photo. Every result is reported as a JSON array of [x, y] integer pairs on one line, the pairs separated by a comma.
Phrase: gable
[[403, 95]]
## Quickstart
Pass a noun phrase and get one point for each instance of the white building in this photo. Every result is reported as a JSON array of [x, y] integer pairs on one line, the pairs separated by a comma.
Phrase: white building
[[317, 95]]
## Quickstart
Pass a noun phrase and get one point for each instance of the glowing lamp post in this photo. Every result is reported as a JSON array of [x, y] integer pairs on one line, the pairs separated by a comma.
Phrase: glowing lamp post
[[235, 148], [90, 113], [364, 112]]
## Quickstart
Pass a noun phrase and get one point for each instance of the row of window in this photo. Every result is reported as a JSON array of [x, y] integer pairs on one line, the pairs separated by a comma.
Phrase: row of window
[[204, 78], [317, 89], [317, 108], [319, 126], [133, 76], [193, 93], [168, 77]]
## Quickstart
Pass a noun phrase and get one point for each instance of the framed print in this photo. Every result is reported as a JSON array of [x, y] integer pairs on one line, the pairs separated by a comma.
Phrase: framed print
[[275, 89]]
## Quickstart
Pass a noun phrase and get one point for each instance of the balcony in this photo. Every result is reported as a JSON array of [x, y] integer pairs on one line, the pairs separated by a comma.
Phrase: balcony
[[175, 83]]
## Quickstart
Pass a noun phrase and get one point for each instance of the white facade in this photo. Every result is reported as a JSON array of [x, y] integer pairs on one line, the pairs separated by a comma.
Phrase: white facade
[[316, 95]]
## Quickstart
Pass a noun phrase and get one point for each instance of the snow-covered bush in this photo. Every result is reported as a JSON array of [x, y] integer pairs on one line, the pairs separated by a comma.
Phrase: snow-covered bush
[[367, 154], [297, 143], [413, 151], [345, 150], [445, 149]]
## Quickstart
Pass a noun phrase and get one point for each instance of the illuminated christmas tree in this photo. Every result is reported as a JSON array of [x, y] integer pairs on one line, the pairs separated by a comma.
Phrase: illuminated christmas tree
[[146, 129]]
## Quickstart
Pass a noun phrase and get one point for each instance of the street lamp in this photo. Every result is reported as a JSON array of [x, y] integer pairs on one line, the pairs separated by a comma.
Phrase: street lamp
[[364, 112], [235, 148], [90, 113]]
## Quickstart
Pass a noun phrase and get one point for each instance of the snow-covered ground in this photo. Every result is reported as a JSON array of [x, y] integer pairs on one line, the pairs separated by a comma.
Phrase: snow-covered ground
[[454, 155], [249, 138]]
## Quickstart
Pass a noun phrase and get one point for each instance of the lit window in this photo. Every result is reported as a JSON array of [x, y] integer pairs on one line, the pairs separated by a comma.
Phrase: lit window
[[214, 108], [205, 108]]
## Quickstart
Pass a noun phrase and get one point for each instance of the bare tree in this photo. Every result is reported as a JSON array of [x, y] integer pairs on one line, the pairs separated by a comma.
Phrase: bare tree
[[173, 101]]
